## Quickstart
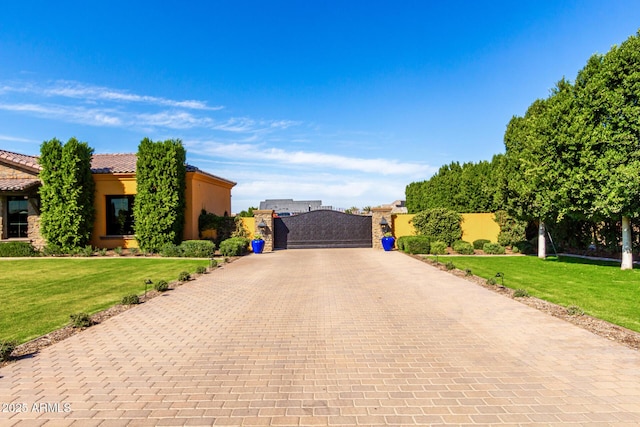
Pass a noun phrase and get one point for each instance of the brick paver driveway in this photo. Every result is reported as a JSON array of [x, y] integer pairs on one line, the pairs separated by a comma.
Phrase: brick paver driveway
[[327, 337]]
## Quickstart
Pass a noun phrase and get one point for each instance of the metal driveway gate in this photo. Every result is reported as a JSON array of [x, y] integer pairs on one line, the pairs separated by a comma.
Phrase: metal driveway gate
[[322, 229]]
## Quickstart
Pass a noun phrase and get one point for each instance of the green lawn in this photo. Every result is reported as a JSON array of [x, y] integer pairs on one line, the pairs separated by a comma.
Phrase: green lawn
[[39, 294], [601, 289]]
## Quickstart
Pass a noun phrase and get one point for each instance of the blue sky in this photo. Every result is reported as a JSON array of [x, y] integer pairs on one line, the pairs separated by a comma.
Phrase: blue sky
[[342, 101]]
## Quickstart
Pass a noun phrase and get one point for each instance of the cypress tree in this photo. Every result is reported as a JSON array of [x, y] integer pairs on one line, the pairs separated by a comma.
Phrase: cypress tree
[[67, 193], [160, 200]]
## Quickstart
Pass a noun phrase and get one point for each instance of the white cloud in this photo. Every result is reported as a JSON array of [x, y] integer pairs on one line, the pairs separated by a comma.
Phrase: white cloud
[[74, 114], [16, 139], [76, 90], [336, 190], [319, 161], [170, 119], [93, 105]]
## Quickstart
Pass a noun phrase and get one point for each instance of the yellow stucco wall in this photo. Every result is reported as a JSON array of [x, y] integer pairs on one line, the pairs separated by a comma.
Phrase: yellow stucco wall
[[479, 226], [110, 185], [202, 192], [474, 226], [208, 193], [249, 224]]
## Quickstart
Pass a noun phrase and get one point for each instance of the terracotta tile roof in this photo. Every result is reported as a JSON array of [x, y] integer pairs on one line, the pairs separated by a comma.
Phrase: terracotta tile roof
[[119, 163], [114, 163], [17, 184], [29, 162], [100, 163]]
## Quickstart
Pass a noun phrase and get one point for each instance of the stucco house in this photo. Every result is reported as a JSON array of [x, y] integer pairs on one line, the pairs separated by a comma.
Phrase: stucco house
[[115, 179]]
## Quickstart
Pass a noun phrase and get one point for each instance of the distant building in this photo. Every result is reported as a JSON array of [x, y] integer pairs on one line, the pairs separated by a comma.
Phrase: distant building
[[284, 207], [398, 207]]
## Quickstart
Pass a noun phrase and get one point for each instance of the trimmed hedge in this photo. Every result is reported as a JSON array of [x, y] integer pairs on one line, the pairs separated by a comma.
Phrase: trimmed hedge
[[159, 207], [235, 246], [197, 248], [439, 224], [67, 193], [414, 244], [438, 248], [462, 247], [479, 244], [189, 249], [493, 249], [17, 249], [524, 247]]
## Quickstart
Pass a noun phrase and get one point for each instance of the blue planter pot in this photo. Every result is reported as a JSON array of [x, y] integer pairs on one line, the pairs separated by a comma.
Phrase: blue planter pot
[[257, 246], [387, 243]]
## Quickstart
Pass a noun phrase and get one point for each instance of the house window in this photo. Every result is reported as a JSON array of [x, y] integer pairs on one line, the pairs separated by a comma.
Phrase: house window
[[119, 215], [17, 216]]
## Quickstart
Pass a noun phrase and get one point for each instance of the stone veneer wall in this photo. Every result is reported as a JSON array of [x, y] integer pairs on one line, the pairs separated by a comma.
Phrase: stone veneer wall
[[11, 173], [265, 215], [376, 230], [2, 210], [33, 221]]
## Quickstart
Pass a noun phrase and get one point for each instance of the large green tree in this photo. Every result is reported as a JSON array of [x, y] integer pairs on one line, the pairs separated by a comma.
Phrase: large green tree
[[470, 187], [610, 123], [576, 154], [540, 156], [67, 193], [160, 200]]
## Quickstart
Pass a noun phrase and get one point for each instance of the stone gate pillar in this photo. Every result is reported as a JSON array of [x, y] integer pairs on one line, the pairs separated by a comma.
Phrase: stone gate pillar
[[264, 217], [380, 215]]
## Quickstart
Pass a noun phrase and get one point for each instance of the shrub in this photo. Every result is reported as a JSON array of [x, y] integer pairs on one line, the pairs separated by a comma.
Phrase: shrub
[[197, 248], [521, 293], [134, 251], [130, 299], [17, 249], [170, 250], [467, 272], [52, 249], [493, 249], [400, 241], [6, 348], [462, 247], [524, 247], [118, 250], [80, 320], [235, 246], [85, 251], [223, 226], [415, 244], [438, 248], [213, 263], [491, 281], [201, 270], [184, 276], [102, 251], [439, 224], [479, 244], [574, 310], [511, 229], [161, 286], [450, 266]]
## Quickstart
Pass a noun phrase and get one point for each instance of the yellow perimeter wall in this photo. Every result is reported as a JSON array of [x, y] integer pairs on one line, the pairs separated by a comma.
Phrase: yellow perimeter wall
[[203, 191], [474, 226]]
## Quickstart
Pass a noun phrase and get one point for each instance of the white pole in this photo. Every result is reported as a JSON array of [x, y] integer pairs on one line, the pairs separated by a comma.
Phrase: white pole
[[542, 241], [627, 255]]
